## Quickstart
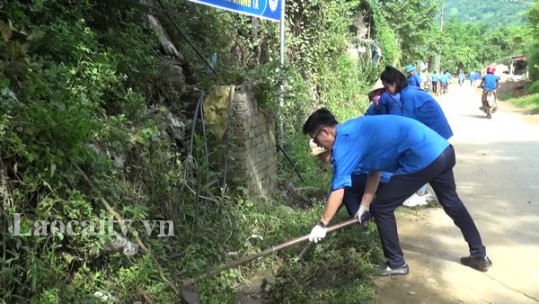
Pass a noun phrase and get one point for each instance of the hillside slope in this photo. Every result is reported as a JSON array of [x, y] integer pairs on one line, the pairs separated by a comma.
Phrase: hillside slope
[[496, 13]]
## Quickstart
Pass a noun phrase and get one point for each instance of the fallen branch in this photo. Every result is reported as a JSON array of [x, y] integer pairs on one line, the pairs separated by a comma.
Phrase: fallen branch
[[120, 219]]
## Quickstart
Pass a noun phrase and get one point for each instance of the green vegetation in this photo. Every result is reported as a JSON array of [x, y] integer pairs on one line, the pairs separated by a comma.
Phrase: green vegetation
[[530, 102], [462, 50], [81, 87], [497, 13]]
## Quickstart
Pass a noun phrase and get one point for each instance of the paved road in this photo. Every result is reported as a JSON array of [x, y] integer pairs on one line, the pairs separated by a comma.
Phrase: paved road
[[497, 175]]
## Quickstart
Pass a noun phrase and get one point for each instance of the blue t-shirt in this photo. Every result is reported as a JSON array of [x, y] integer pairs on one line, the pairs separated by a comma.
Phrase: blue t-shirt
[[414, 80], [388, 143], [387, 104], [434, 77], [491, 82], [421, 106], [444, 79], [462, 76]]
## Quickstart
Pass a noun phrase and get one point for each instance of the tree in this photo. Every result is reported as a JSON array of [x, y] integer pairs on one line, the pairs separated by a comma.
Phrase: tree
[[533, 58], [413, 22]]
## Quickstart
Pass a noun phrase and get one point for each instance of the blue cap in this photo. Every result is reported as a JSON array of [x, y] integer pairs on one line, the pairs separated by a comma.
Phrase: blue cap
[[409, 68]]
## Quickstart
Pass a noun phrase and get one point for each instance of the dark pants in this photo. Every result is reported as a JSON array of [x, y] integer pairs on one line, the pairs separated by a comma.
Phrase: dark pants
[[439, 174], [353, 194], [435, 86]]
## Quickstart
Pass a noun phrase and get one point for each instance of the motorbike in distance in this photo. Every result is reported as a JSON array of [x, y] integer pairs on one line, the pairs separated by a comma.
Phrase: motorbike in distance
[[489, 102]]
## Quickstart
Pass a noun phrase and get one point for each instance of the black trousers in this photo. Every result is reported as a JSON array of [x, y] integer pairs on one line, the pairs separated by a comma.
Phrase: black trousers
[[352, 195], [439, 174]]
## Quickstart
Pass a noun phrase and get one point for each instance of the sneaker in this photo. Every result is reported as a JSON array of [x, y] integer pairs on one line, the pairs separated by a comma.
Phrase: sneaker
[[384, 271], [415, 200], [481, 264]]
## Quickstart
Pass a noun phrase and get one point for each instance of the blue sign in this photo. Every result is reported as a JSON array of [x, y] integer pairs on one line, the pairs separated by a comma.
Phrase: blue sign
[[267, 9]]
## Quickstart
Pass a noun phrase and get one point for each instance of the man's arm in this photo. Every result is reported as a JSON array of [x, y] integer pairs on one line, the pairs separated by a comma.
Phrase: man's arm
[[370, 188], [332, 205]]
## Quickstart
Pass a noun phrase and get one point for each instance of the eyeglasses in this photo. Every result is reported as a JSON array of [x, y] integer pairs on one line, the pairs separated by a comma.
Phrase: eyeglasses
[[315, 138]]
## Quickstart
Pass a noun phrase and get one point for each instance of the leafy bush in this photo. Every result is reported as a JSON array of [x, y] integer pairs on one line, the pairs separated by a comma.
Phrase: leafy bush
[[77, 91], [533, 88], [533, 61]]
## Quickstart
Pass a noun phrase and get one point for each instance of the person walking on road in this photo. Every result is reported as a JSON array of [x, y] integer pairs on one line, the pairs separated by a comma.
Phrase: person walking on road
[[472, 78], [434, 78], [413, 78], [461, 78], [444, 83], [374, 144]]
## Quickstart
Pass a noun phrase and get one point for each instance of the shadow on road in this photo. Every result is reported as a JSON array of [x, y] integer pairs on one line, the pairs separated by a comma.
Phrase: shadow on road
[[484, 116]]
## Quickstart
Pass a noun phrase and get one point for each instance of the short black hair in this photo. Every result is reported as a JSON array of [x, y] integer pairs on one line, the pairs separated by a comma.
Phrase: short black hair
[[392, 75], [319, 119]]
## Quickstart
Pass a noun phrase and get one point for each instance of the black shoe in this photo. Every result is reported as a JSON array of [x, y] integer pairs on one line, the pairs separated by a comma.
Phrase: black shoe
[[384, 271], [481, 264]]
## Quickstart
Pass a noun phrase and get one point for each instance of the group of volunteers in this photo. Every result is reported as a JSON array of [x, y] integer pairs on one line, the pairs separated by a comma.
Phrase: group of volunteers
[[440, 82], [384, 157]]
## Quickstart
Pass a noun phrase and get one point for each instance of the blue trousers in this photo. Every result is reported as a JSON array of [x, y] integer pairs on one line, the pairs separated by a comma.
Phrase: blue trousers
[[439, 174]]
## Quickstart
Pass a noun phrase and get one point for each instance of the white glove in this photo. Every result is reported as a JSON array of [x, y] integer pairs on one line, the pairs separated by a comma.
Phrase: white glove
[[361, 213], [317, 234]]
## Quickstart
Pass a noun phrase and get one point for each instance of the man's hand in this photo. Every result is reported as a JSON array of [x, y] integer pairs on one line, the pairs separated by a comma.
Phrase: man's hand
[[363, 214], [318, 233]]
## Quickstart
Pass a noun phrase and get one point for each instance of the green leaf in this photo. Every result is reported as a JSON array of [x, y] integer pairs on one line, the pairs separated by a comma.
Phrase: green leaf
[[53, 169], [5, 30]]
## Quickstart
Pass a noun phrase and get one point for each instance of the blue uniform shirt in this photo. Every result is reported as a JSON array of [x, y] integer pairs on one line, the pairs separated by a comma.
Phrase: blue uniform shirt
[[421, 106], [387, 104], [434, 77], [444, 78], [388, 143], [414, 80], [491, 82]]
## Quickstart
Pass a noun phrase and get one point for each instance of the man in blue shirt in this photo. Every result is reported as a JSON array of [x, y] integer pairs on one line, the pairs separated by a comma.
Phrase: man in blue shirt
[[413, 78], [490, 82], [461, 78], [354, 192], [414, 155], [444, 80], [434, 78]]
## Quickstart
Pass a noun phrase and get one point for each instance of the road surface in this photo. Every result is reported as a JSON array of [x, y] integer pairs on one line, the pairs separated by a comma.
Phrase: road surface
[[497, 175]]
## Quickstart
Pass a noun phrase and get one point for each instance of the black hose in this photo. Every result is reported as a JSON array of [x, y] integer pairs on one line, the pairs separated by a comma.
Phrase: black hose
[[185, 37], [290, 161]]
